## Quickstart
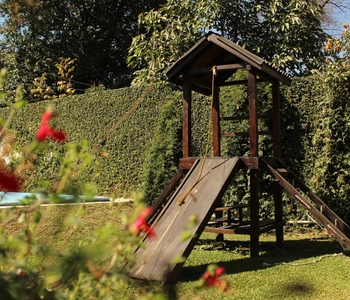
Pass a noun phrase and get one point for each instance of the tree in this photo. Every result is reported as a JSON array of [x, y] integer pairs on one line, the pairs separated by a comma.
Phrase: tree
[[96, 34], [287, 33]]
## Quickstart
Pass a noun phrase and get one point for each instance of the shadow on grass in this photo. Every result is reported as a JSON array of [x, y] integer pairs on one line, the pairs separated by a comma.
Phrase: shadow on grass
[[270, 255]]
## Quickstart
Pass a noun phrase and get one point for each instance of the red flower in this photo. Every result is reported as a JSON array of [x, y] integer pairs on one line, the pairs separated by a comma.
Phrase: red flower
[[211, 278], [45, 131], [20, 272], [141, 223], [9, 182]]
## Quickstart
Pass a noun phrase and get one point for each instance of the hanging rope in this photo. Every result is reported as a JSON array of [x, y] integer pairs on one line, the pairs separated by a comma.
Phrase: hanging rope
[[209, 134]]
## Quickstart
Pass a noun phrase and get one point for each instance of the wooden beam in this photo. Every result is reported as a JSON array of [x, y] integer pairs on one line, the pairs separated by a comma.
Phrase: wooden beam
[[187, 163], [186, 119], [244, 134], [218, 68], [253, 120], [239, 82], [199, 83], [236, 118], [216, 123], [276, 119], [254, 212], [250, 162]]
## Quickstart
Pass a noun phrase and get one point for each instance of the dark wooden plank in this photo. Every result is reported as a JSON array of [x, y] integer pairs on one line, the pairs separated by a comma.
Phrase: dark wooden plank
[[216, 123], [186, 119], [200, 83], [253, 112], [237, 118], [155, 260], [187, 163], [239, 82], [218, 67], [232, 134], [250, 162], [264, 226], [174, 182], [276, 119]]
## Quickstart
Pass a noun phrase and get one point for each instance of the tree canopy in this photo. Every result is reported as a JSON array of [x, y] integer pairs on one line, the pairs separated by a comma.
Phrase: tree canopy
[[287, 33], [94, 33]]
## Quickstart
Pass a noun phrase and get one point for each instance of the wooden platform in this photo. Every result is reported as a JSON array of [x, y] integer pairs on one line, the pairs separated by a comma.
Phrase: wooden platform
[[207, 180], [244, 227]]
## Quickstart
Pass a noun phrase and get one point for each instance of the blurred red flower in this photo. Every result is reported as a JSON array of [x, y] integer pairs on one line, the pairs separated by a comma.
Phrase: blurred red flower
[[9, 182], [45, 131], [141, 223], [211, 278]]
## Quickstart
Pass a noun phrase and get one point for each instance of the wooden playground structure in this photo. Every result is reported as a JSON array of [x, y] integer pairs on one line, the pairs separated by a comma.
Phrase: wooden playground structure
[[198, 186]]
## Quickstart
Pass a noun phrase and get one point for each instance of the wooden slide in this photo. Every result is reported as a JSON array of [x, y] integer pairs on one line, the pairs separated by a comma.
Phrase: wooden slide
[[200, 191]]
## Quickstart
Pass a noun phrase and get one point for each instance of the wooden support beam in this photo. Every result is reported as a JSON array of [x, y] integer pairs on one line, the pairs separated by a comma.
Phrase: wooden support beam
[[250, 162], [216, 123], [186, 119], [254, 212], [237, 118], [199, 83], [229, 134], [218, 68], [253, 120], [239, 82], [187, 163], [277, 197], [276, 119]]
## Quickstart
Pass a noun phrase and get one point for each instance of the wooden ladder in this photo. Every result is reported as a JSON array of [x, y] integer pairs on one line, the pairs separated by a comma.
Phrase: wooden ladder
[[332, 223]]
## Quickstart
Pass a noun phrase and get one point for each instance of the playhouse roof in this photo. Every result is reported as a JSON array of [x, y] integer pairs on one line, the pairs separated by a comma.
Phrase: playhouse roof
[[215, 50]]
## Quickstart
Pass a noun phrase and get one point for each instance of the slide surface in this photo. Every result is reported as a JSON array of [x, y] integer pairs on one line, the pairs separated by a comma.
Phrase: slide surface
[[200, 190]]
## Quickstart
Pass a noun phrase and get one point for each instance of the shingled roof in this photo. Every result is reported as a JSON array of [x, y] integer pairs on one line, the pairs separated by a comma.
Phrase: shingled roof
[[215, 50]]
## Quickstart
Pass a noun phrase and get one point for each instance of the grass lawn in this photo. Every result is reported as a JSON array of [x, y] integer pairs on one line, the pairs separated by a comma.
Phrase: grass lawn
[[294, 271], [306, 267]]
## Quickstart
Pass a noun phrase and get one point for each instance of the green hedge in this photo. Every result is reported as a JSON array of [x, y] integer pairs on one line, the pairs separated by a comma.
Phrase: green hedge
[[316, 137], [90, 117], [143, 151]]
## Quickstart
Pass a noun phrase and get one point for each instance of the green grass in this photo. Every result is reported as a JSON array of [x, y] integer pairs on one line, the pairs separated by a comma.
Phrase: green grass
[[304, 268], [249, 278]]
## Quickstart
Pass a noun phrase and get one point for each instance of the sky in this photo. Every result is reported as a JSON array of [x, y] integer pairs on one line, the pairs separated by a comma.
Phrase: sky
[[340, 16]]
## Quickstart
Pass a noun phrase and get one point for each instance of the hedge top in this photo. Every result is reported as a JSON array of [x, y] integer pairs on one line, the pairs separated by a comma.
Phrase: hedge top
[[215, 50]]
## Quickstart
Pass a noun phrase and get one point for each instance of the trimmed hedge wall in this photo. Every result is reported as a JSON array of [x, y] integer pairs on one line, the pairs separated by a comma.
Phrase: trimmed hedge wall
[[89, 117], [143, 151]]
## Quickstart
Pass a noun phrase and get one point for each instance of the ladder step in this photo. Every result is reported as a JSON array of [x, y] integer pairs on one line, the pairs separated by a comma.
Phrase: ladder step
[[227, 208], [212, 223], [220, 220], [282, 171]]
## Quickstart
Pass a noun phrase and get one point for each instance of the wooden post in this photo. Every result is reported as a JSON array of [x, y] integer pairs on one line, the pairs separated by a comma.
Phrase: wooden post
[[276, 140], [277, 196], [276, 119], [254, 212], [216, 123], [253, 114], [254, 173], [186, 120]]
